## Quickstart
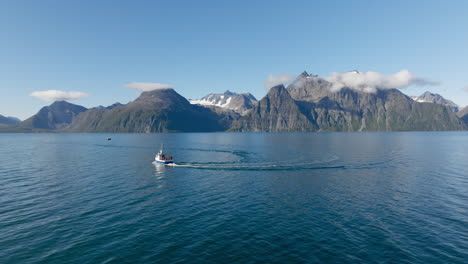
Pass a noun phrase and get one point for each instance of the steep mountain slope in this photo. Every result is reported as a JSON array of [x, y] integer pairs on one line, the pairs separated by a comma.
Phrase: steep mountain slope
[[225, 116], [161, 110], [55, 116], [428, 97], [8, 120], [276, 112], [240, 103], [463, 114]]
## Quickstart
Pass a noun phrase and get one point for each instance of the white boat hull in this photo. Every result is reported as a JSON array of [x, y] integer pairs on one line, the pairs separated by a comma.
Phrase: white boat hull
[[164, 161]]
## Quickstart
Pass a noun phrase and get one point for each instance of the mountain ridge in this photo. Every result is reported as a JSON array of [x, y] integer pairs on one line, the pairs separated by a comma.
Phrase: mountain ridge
[[309, 103]]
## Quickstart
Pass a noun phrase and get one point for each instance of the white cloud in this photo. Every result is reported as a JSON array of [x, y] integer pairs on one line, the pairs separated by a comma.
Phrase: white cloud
[[371, 81], [272, 81], [465, 88], [56, 95], [145, 87]]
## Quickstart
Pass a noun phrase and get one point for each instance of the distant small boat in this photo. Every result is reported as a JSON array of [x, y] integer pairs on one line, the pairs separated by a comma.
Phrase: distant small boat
[[162, 158], [109, 138]]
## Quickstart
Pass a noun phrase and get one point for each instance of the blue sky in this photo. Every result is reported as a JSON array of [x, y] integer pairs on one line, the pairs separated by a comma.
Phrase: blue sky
[[97, 47]]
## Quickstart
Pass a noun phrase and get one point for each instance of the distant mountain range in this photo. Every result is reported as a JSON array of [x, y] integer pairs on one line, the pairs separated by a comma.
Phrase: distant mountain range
[[307, 104], [8, 120]]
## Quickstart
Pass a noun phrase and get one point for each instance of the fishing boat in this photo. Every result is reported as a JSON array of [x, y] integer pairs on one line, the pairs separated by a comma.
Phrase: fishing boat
[[162, 158]]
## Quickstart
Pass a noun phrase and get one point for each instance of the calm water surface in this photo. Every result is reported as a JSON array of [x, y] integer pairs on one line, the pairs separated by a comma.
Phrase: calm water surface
[[234, 198]]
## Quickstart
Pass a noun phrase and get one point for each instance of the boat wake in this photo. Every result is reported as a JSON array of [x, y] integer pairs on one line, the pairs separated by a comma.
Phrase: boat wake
[[249, 161], [265, 166]]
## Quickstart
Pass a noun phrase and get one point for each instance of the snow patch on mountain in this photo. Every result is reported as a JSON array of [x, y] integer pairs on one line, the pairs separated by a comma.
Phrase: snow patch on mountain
[[213, 101], [240, 103]]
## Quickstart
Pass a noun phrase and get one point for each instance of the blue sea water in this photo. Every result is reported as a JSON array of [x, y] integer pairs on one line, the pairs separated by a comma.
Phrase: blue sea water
[[235, 198]]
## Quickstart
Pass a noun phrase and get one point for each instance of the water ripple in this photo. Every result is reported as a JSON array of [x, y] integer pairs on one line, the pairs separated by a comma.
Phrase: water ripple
[[332, 198]]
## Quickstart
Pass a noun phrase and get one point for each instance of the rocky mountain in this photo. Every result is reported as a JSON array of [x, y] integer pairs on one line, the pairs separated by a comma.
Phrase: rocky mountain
[[226, 116], [310, 105], [309, 87], [240, 103], [276, 112], [162, 110], [8, 120], [56, 116], [428, 97]]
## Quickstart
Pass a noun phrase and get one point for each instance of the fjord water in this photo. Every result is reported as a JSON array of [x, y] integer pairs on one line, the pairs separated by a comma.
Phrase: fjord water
[[234, 198]]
